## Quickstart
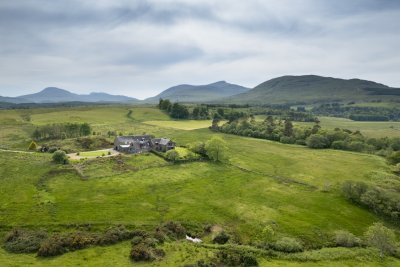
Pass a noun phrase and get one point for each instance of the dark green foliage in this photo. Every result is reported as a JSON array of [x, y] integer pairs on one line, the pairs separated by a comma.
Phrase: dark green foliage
[[236, 258], [114, 235], [200, 113], [60, 157], [61, 131], [317, 141], [358, 113], [380, 200], [221, 238], [22, 241], [394, 158], [142, 252], [174, 230]]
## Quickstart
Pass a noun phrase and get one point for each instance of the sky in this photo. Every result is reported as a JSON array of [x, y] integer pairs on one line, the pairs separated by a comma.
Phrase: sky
[[139, 48]]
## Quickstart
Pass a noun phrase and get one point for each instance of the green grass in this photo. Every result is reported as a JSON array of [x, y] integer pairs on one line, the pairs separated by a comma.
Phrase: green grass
[[293, 187], [97, 153], [182, 125], [370, 129]]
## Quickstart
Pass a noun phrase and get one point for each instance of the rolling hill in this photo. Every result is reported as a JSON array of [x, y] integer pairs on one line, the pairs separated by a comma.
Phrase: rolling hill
[[310, 89], [55, 95], [199, 93]]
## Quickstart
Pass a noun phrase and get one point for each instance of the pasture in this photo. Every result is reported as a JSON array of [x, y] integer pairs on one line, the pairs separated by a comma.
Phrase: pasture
[[368, 128], [294, 188]]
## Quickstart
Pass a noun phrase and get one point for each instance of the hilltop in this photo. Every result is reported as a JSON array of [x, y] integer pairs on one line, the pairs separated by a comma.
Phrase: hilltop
[[55, 95], [199, 93], [314, 89]]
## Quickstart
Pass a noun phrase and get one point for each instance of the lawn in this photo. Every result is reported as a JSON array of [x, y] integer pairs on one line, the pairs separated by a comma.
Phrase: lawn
[[97, 153]]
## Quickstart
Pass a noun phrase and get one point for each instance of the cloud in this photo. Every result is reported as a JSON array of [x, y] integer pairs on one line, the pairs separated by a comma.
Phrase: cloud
[[139, 48]]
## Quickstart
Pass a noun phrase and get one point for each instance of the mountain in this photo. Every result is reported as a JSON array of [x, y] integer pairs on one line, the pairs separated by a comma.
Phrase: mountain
[[199, 93], [55, 95], [309, 89]]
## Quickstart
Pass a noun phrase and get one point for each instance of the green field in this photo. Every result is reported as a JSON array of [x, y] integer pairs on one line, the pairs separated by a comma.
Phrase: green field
[[294, 188], [368, 128], [182, 125]]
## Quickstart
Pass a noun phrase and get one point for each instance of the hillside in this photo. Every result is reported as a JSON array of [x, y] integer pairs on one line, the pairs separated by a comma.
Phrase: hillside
[[199, 93], [54, 95], [315, 89]]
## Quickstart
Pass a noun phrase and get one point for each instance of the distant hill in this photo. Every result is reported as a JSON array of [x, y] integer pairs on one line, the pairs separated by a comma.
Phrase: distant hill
[[314, 89], [199, 93], [56, 95]]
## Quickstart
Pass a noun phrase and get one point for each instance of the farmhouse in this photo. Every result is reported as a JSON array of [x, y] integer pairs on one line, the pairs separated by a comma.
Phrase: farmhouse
[[162, 144], [142, 143]]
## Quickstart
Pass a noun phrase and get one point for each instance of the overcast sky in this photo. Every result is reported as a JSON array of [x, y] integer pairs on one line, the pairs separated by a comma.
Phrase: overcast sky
[[139, 48]]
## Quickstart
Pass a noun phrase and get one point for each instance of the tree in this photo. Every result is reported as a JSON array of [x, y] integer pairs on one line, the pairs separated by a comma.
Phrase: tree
[[216, 148], [317, 141], [198, 147], [172, 155], [382, 238], [32, 146], [288, 128], [85, 129], [59, 157]]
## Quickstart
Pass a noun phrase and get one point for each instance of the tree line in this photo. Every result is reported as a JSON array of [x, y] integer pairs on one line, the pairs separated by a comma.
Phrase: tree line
[[61, 131], [314, 137]]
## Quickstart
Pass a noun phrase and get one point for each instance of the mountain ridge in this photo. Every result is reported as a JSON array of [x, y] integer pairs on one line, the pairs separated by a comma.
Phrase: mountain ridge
[[198, 93]]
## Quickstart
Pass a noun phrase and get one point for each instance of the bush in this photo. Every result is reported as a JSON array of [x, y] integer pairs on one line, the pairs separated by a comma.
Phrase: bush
[[141, 253], [21, 241], [288, 244], [339, 145], [346, 239], [59, 157], [114, 235], [221, 238], [236, 258], [172, 155], [382, 238], [52, 246], [317, 141], [174, 230], [394, 158]]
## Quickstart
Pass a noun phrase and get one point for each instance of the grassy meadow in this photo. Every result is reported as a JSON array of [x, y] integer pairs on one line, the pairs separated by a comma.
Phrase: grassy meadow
[[292, 188]]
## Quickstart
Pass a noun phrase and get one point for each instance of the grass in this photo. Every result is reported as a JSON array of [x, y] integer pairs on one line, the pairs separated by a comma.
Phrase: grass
[[370, 129], [182, 125], [97, 153], [292, 187]]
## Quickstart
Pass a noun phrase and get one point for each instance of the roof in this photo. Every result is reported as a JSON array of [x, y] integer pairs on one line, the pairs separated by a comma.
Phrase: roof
[[161, 141], [132, 138]]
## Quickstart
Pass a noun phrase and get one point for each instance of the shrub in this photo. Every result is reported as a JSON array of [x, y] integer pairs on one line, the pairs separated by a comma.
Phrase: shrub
[[382, 238], [346, 239], [174, 230], [109, 153], [221, 238], [141, 253], [288, 244], [394, 158], [172, 155], [114, 235], [339, 145], [198, 147], [59, 157], [236, 258], [21, 241], [52, 246]]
